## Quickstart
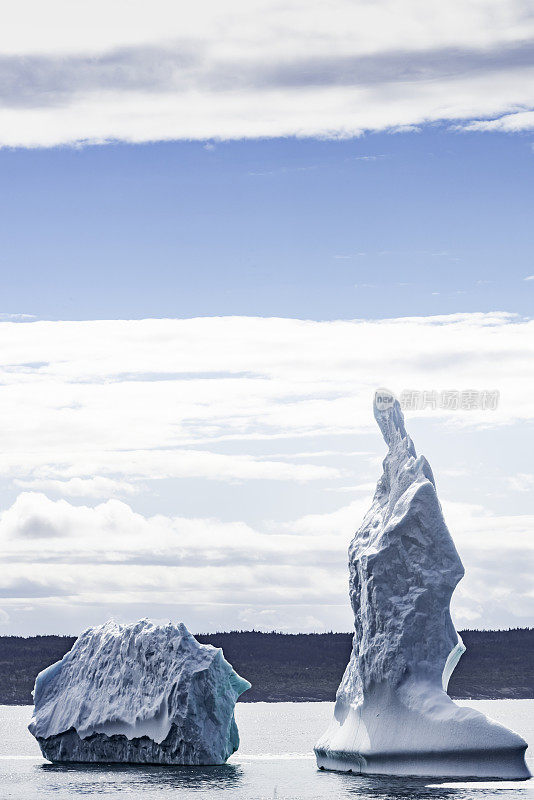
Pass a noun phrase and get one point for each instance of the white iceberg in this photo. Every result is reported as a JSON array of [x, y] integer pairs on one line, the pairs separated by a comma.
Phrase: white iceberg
[[138, 693], [392, 714]]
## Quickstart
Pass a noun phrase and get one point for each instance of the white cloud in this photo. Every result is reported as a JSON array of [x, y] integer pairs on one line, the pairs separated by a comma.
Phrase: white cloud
[[99, 409], [522, 482], [19, 317], [111, 555], [529, 278], [509, 123], [129, 401], [497, 551], [160, 463], [81, 487], [248, 69]]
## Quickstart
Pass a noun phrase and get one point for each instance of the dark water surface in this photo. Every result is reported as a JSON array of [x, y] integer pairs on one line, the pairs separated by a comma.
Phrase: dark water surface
[[275, 760]]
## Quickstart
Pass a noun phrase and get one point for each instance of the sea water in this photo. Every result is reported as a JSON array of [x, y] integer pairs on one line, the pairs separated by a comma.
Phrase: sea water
[[275, 760]]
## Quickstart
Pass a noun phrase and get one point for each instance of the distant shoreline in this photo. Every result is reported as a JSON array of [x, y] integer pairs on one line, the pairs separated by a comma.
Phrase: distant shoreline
[[301, 667], [298, 702]]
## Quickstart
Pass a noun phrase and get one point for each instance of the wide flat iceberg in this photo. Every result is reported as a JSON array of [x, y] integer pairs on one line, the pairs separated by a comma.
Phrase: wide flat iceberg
[[139, 693], [392, 713]]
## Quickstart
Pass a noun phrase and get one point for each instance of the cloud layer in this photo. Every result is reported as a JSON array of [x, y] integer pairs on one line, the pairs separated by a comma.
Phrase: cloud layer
[[151, 398], [110, 556], [111, 428], [261, 69]]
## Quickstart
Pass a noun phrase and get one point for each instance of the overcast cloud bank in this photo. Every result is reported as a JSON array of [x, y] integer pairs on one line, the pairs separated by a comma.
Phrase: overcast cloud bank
[[106, 422], [261, 69]]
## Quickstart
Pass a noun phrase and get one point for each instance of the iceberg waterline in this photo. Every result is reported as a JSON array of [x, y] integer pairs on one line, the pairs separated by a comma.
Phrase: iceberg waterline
[[138, 693], [392, 714]]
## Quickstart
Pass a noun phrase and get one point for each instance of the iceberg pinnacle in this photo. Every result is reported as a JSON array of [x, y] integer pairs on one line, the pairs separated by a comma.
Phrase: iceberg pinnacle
[[139, 693], [392, 714]]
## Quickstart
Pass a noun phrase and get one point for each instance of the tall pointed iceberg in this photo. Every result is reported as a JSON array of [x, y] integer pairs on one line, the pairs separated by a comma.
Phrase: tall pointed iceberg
[[392, 714]]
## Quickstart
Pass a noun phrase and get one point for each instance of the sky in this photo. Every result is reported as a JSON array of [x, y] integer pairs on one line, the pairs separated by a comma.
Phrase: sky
[[222, 228]]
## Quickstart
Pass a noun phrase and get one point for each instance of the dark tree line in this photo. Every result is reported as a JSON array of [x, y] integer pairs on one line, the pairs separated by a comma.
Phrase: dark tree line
[[300, 666]]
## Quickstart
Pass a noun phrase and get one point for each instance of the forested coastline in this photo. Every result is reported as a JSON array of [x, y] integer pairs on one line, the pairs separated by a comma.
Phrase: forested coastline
[[300, 667]]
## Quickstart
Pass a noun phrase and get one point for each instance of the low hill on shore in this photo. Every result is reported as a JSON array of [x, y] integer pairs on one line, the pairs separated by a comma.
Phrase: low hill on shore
[[300, 667]]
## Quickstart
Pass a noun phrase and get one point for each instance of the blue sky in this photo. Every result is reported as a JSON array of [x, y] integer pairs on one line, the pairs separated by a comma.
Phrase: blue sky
[[222, 228], [384, 225]]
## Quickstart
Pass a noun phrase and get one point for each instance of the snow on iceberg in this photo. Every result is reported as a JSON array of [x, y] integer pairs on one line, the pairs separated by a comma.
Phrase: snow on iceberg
[[138, 693], [392, 714]]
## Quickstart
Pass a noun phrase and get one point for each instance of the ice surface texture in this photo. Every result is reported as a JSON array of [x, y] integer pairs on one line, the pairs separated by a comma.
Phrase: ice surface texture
[[139, 693], [392, 713]]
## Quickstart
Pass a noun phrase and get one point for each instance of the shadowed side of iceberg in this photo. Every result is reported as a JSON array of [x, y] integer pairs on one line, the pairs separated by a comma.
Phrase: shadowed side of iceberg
[[431, 764]]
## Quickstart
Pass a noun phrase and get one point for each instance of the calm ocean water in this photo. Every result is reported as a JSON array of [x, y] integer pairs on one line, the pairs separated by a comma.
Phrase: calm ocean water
[[275, 760]]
